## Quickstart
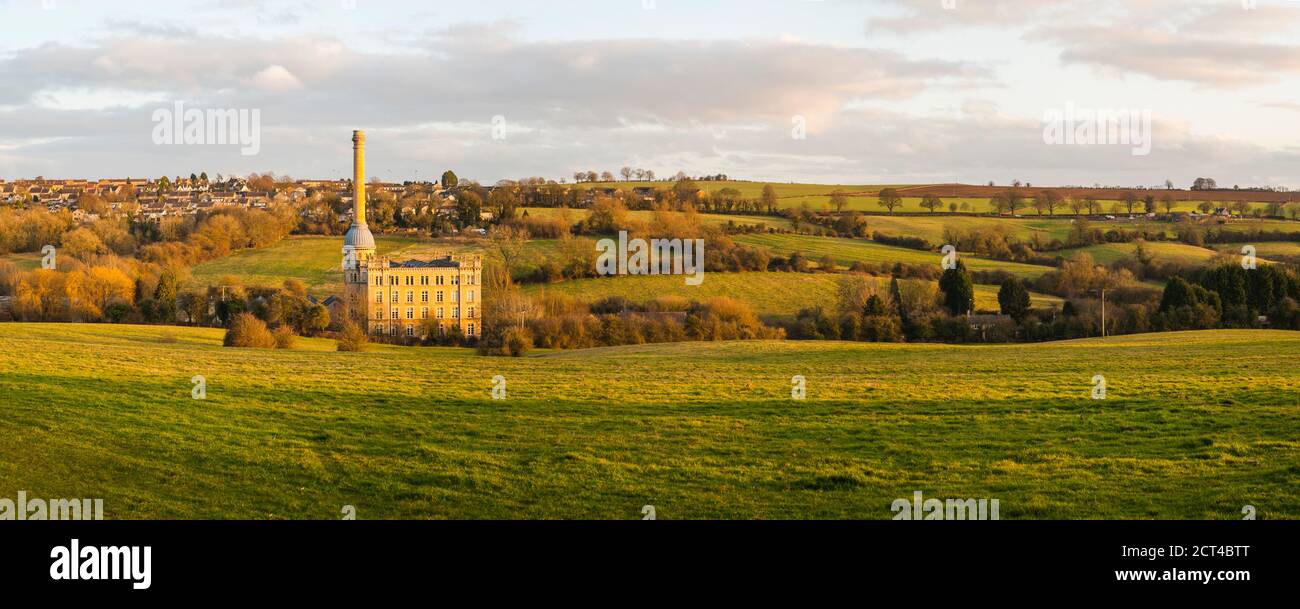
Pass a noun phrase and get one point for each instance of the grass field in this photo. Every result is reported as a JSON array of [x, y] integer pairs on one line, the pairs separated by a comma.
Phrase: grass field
[[773, 296], [848, 251], [1274, 249], [316, 261], [1195, 425], [1161, 251]]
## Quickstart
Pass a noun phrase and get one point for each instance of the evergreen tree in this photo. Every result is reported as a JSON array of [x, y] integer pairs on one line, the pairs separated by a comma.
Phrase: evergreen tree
[[958, 289], [1013, 298]]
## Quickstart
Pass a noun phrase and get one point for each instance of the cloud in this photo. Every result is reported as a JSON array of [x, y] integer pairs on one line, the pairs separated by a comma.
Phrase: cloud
[[276, 78]]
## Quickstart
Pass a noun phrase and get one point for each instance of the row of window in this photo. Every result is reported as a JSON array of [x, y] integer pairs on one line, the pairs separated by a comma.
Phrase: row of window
[[424, 313], [410, 329], [424, 296], [424, 280]]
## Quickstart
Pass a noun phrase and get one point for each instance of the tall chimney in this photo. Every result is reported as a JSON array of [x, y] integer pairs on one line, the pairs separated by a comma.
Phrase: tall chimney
[[359, 177]]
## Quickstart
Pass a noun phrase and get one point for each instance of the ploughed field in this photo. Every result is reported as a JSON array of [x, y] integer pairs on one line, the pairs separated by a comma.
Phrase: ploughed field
[[1194, 425]]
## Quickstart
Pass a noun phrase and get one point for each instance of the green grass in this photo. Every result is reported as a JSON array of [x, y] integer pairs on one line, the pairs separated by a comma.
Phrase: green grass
[[25, 261], [774, 296], [1195, 425], [1273, 249], [848, 251], [1161, 251], [316, 260], [645, 216]]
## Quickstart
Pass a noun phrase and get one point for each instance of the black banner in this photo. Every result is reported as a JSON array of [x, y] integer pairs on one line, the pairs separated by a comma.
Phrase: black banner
[[324, 559]]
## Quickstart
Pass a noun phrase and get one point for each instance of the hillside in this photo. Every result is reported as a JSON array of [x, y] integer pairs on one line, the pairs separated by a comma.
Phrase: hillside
[[700, 430], [847, 251], [773, 296]]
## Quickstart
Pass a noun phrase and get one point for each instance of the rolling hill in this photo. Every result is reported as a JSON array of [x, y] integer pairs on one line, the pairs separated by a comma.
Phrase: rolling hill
[[699, 430]]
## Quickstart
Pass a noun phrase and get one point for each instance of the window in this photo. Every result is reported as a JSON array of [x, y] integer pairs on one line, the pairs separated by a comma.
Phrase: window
[[439, 312], [394, 296], [379, 280], [424, 312], [393, 331], [455, 280], [379, 328], [424, 296], [410, 330], [469, 295], [393, 281], [379, 314], [410, 296], [455, 312], [455, 296], [424, 280], [410, 280], [379, 297], [439, 295], [471, 313], [394, 313], [471, 330], [410, 313]]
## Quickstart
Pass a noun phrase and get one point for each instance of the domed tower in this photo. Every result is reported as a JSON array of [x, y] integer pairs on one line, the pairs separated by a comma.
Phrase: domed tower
[[358, 244]]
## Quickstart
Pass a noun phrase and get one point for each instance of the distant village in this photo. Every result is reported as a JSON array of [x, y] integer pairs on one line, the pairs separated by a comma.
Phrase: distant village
[[185, 196]]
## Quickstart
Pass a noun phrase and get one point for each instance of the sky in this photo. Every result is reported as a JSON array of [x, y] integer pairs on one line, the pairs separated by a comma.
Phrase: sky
[[829, 91]]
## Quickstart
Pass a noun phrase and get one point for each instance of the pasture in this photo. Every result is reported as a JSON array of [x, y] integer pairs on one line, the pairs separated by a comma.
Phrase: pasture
[[699, 430]]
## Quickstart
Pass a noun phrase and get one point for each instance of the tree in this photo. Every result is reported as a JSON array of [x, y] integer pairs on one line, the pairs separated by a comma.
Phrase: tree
[[1039, 202], [839, 200], [1052, 200], [1178, 293], [165, 295], [1013, 298], [1014, 200], [931, 202], [1129, 199], [509, 243], [246, 330], [352, 337], [315, 320], [1076, 205], [1168, 202], [449, 179], [606, 176], [195, 306], [626, 172], [958, 289], [1205, 207], [889, 199], [469, 209], [1090, 202], [769, 198]]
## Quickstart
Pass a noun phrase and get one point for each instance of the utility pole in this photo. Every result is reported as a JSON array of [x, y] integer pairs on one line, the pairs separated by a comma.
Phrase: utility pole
[[1103, 312]]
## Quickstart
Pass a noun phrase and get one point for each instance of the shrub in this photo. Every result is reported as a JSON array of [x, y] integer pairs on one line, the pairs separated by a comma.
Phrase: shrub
[[517, 341], [352, 337], [246, 330], [284, 337]]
